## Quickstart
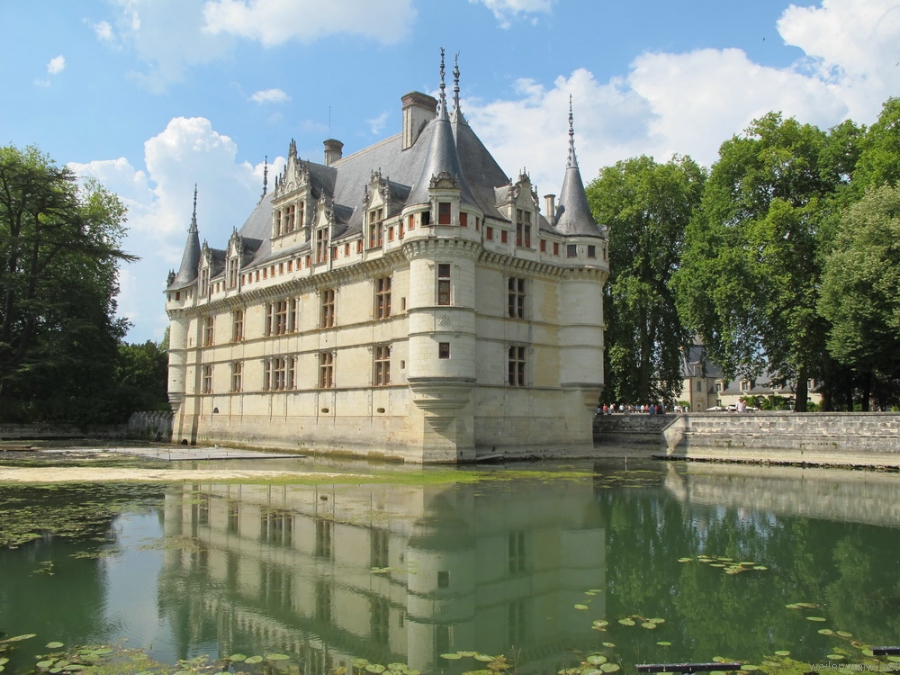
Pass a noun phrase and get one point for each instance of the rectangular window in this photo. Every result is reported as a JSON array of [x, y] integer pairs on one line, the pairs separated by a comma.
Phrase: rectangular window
[[237, 370], [718, 387], [382, 298], [489, 233], [209, 326], [543, 245], [280, 318], [291, 381], [503, 236], [206, 383], [463, 219], [426, 218], [292, 316], [443, 579], [517, 559], [443, 284], [278, 223], [523, 228], [204, 281], [412, 223], [327, 308], [268, 326], [267, 374], [376, 228], [237, 325], [232, 272], [516, 298], [382, 365], [279, 373], [321, 246], [378, 548], [592, 252], [571, 251], [443, 350], [326, 370], [346, 250], [517, 366], [700, 385], [443, 213], [555, 248]]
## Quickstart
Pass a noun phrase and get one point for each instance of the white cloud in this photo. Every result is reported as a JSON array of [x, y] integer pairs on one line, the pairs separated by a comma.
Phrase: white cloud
[[505, 10], [167, 35], [269, 96], [274, 22], [103, 31], [56, 65], [160, 199], [376, 125]]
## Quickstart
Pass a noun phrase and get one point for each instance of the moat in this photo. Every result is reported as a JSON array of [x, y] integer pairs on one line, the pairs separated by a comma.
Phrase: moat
[[640, 561]]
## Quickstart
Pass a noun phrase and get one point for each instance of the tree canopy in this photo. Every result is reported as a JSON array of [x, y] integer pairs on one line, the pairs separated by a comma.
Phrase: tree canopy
[[60, 245], [647, 207]]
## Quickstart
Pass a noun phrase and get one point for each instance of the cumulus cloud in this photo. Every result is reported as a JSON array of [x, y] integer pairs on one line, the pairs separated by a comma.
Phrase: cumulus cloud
[[274, 22], [160, 198], [269, 96], [56, 65], [376, 125], [505, 10]]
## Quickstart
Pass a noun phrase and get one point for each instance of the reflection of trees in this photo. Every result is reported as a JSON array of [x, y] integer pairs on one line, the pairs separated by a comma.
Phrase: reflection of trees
[[847, 569]]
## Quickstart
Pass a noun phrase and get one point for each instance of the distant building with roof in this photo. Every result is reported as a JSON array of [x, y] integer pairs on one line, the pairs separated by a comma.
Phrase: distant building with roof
[[407, 301]]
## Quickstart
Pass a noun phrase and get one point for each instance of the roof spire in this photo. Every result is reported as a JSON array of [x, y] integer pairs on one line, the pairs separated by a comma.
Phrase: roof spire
[[572, 161], [443, 96], [265, 177], [457, 115], [193, 227]]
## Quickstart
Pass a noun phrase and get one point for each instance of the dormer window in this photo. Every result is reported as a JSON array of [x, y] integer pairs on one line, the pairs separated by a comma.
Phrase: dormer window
[[204, 281], [232, 272], [321, 246], [444, 213], [523, 228], [376, 227]]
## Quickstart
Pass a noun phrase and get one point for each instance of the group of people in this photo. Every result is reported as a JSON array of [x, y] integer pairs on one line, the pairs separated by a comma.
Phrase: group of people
[[652, 409]]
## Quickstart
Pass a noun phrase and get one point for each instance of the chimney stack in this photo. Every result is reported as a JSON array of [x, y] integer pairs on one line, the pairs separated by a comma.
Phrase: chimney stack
[[418, 110], [550, 205], [334, 150]]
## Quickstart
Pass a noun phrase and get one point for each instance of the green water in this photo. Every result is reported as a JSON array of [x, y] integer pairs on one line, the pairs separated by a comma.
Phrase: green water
[[404, 572]]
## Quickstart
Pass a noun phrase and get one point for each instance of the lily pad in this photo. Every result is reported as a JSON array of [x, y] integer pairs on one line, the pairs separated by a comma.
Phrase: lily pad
[[597, 659], [484, 657], [844, 633], [253, 659], [237, 658], [581, 606], [601, 623], [54, 645], [452, 656], [835, 657], [656, 620], [717, 565], [44, 664], [626, 622], [782, 652], [277, 657], [375, 668], [19, 638], [749, 666], [815, 618], [826, 631], [649, 625], [663, 643], [610, 667], [760, 567], [609, 644], [469, 654], [685, 560]]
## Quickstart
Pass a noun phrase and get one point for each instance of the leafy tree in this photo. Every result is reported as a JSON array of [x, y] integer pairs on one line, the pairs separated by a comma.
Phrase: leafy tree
[[749, 279], [647, 207], [59, 248], [861, 293], [879, 155]]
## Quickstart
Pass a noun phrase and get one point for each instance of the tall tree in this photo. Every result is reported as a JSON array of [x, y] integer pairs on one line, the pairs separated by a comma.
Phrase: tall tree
[[59, 248], [647, 207], [861, 293], [749, 279]]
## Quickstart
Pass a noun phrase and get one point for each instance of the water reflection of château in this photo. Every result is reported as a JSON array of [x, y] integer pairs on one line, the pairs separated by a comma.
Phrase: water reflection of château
[[469, 567]]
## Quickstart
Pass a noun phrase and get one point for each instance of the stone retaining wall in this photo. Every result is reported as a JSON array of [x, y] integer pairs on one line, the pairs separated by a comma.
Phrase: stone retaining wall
[[628, 429]]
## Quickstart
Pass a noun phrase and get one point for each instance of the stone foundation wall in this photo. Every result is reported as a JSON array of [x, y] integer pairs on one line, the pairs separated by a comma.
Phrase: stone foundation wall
[[634, 428]]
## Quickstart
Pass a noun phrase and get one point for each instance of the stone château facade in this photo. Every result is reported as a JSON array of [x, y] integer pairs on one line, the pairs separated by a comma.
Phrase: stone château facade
[[407, 301]]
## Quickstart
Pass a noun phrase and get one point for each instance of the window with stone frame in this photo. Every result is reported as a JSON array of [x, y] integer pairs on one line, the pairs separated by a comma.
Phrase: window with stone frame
[[291, 379], [267, 374], [382, 297], [516, 366], [204, 281], [376, 228], [209, 329], [237, 373], [237, 325], [280, 317], [327, 297], [322, 245], [444, 213], [292, 322], [289, 214], [382, 357], [279, 373], [571, 251], [516, 298], [443, 284], [206, 379], [326, 370], [233, 272], [523, 228]]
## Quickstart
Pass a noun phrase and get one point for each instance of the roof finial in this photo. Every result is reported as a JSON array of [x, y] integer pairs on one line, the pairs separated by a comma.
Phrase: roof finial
[[456, 82], [265, 177], [572, 161], [443, 93], [194, 216]]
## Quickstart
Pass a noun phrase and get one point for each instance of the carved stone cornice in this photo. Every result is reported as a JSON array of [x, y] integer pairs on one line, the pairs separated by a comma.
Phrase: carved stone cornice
[[415, 249]]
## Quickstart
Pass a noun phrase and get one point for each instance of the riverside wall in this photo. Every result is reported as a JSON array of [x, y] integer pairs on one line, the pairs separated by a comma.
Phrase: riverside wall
[[841, 439], [146, 425]]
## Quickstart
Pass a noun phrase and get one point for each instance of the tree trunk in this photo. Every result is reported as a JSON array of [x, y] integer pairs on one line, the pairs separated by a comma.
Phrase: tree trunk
[[802, 393]]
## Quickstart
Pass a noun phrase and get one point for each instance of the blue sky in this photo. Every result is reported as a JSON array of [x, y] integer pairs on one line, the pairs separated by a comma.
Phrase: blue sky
[[151, 96]]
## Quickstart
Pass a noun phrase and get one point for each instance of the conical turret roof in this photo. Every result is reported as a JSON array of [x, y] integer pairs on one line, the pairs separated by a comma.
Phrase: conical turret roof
[[190, 261], [573, 214]]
